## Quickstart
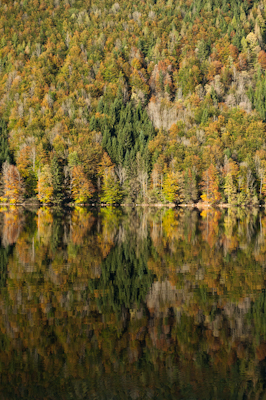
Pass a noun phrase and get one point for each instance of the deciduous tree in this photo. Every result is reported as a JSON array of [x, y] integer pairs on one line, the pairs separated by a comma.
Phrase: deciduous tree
[[210, 186], [81, 187], [13, 184], [45, 188]]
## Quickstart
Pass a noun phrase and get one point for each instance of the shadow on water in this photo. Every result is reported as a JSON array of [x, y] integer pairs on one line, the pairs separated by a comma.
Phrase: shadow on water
[[132, 304]]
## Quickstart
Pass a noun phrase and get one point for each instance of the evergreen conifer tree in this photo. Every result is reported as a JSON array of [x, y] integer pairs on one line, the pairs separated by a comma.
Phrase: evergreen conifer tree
[[4, 148], [57, 176]]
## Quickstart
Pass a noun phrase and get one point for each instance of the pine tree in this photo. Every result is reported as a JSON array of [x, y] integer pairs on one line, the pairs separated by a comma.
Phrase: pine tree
[[4, 148], [188, 186], [57, 180], [259, 96]]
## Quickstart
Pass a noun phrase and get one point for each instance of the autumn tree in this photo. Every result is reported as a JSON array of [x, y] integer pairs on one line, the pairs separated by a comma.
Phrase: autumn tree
[[81, 187], [231, 184], [262, 59], [171, 187], [26, 167], [45, 188], [210, 186], [13, 184], [111, 191]]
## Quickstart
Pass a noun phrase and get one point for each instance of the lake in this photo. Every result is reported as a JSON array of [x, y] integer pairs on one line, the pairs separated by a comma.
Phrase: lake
[[132, 304]]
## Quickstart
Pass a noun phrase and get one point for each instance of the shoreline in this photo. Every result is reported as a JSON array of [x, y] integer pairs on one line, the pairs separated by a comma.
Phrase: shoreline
[[199, 206]]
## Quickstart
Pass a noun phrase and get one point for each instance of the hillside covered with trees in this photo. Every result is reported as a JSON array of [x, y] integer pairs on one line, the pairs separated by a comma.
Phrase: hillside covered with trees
[[144, 101]]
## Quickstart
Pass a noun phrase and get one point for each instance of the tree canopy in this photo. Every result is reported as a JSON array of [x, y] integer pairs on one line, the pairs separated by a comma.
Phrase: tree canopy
[[165, 88]]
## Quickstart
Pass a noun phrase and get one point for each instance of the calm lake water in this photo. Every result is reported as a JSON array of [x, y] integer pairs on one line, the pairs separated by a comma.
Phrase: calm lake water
[[132, 304]]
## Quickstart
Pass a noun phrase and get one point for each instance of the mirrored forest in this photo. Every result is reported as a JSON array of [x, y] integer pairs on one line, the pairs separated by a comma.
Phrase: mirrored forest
[[134, 303]]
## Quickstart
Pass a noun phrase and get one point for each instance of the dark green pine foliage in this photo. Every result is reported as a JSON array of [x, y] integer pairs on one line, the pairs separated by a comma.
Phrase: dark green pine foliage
[[58, 180], [204, 50], [126, 130], [258, 97], [233, 9], [146, 45], [4, 148], [189, 187]]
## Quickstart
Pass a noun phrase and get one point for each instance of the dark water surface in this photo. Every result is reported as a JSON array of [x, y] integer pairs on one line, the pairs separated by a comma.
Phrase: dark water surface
[[132, 304]]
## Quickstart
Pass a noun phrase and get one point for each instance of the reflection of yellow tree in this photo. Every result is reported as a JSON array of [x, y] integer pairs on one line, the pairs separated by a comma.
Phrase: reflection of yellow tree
[[170, 223], [44, 224], [167, 229], [260, 248], [13, 223], [184, 261], [81, 223], [110, 224], [231, 239], [25, 248]]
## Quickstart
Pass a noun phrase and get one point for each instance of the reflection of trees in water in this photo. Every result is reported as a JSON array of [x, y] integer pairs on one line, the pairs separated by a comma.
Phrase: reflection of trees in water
[[125, 278], [12, 226], [138, 304], [4, 256]]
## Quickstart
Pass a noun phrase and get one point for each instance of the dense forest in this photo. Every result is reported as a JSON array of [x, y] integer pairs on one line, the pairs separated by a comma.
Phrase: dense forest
[[123, 102]]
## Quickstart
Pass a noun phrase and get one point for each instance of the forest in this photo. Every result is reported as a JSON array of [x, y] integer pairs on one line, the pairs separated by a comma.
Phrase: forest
[[157, 101]]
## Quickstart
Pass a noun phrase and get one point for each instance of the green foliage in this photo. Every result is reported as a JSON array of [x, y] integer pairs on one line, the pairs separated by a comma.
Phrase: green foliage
[[125, 278], [57, 180], [126, 129], [189, 188], [258, 97], [4, 148], [111, 191]]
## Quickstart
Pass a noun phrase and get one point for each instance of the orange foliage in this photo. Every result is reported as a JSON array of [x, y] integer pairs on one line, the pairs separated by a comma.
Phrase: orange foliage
[[82, 188], [210, 185], [262, 59], [13, 184]]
